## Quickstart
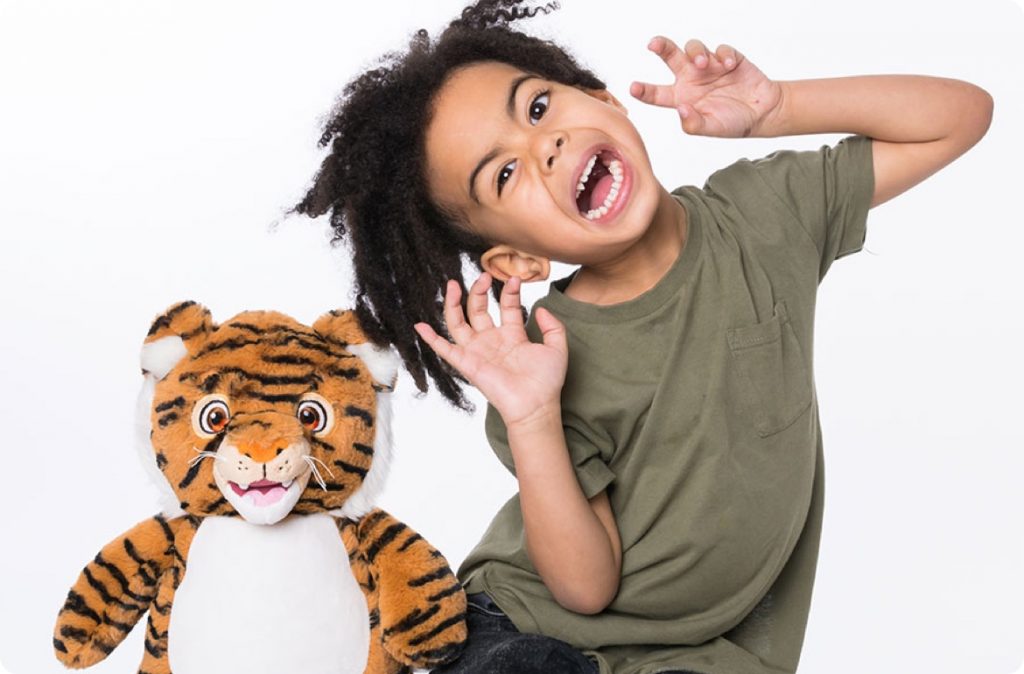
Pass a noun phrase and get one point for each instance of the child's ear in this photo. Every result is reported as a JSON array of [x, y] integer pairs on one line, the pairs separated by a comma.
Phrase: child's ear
[[503, 262], [607, 97]]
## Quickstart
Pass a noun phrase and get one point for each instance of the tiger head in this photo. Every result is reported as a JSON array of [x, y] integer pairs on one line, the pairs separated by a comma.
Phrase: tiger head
[[262, 416]]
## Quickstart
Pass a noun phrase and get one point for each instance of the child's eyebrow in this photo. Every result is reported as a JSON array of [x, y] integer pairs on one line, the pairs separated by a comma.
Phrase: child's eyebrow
[[510, 109]]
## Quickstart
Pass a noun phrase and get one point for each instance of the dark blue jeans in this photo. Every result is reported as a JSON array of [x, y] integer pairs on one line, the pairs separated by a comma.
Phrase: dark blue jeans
[[495, 646]]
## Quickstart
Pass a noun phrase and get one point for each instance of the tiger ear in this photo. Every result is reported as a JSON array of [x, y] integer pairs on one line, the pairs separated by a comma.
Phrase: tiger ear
[[179, 331], [343, 327]]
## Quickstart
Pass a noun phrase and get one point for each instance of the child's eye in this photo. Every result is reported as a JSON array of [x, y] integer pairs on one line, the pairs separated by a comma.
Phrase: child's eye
[[538, 107], [504, 174]]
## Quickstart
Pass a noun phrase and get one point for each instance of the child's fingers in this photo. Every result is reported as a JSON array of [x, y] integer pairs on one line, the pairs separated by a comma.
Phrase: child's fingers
[[669, 52], [729, 57], [511, 305], [653, 94], [476, 303], [453, 316], [697, 52], [439, 344], [692, 121]]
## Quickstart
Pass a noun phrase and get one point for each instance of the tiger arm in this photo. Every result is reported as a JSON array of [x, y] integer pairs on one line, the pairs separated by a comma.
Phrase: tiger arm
[[112, 593], [422, 605]]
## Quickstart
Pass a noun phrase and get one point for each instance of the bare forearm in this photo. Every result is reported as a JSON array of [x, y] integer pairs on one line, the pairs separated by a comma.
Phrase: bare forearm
[[894, 108], [566, 540]]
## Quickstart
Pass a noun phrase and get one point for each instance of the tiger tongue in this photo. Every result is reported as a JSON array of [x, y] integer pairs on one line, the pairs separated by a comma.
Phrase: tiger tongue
[[601, 190]]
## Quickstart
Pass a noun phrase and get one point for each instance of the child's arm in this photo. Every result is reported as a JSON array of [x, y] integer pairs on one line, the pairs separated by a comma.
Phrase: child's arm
[[573, 542], [918, 124]]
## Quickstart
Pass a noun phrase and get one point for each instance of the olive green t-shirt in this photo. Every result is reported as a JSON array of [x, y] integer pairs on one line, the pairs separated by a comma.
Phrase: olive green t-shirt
[[693, 405]]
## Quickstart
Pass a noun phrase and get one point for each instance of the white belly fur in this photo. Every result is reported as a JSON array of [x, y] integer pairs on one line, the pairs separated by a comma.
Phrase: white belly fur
[[261, 599]]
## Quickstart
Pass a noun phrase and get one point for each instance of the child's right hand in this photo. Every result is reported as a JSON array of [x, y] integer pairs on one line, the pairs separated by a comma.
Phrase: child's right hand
[[521, 379]]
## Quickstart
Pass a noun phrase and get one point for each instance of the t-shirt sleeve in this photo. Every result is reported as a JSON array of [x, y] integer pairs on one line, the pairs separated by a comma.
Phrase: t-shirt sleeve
[[825, 192], [591, 471]]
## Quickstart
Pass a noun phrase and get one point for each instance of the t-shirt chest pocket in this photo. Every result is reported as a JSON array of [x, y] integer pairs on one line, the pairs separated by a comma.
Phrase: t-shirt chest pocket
[[770, 363]]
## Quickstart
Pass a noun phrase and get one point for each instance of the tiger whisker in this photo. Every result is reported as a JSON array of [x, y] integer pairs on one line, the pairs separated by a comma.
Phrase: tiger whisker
[[204, 455], [315, 472], [326, 467]]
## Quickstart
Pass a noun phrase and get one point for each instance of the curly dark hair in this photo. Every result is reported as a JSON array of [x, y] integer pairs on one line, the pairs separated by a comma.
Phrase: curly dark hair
[[373, 181]]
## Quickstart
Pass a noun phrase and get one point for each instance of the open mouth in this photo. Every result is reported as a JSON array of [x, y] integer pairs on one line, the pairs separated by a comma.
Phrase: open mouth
[[600, 185], [262, 492]]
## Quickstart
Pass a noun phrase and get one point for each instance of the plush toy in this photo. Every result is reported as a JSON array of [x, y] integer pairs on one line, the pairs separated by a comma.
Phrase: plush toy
[[272, 441]]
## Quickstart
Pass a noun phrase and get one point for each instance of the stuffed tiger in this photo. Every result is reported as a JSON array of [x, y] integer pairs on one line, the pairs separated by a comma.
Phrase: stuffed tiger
[[271, 440]]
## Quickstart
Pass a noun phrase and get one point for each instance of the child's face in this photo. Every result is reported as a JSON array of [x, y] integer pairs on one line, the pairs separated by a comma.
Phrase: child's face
[[508, 152]]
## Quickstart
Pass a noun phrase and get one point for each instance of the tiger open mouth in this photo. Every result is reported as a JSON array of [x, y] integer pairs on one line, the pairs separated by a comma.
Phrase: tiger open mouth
[[262, 492]]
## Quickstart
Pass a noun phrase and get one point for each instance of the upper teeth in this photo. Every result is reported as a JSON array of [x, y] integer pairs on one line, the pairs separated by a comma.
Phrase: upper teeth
[[615, 168]]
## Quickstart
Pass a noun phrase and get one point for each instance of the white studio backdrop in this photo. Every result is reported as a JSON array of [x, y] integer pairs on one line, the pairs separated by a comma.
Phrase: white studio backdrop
[[149, 151]]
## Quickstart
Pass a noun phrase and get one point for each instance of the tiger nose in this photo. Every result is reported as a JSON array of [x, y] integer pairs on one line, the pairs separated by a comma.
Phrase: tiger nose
[[262, 453]]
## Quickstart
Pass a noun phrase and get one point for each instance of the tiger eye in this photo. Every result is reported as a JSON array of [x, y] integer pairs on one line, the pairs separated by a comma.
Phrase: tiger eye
[[309, 417]]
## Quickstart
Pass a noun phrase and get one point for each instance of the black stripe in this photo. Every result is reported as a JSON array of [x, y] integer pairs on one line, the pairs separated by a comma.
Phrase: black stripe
[[124, 627], [438, 656], [170, 404], [76, 604], [103, 646], [349, 468], [415, 618], [59, 645], [71, 632], [323, 444], [210, 382], [161, 460], [162, 610], [229, 344], [116, 574], [167, 419], [447, 592], [430, 577], [211, 446], [169, 535], [290, 340], [104, 593], [287, 360], [153, 649], [216, 504], [165, 320], [409, 541], [363, 449], [308, 379], [353, 411], [387, 536], [441, 627], [273, 398], [374, 618], [344, 373]]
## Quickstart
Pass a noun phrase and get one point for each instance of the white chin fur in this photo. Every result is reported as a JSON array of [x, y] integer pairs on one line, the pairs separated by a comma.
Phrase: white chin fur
[[268, 514], [365, 498]]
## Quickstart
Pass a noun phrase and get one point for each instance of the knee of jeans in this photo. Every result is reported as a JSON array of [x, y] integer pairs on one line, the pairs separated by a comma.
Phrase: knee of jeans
[[535, 654]]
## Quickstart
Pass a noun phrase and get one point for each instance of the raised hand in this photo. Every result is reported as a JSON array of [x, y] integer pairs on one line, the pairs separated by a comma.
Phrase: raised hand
[[520, 378], [717, 93]]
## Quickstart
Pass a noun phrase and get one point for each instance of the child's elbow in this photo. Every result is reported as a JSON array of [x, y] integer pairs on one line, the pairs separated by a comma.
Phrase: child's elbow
[[589, 598]]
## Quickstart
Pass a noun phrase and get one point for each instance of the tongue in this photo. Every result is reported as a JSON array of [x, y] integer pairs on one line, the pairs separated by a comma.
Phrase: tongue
[[601, 190]]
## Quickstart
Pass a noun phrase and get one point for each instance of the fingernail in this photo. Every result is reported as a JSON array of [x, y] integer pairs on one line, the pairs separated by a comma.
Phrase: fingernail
[[729, 63]]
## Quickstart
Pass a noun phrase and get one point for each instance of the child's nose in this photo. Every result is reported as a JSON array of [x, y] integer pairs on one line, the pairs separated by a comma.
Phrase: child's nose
[[549, 148]]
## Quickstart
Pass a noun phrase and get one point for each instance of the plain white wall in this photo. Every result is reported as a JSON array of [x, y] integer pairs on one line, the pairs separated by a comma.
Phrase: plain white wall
[[148, 148]]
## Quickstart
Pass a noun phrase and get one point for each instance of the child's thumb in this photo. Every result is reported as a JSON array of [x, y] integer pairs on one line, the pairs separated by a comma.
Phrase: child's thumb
[[552, 330]]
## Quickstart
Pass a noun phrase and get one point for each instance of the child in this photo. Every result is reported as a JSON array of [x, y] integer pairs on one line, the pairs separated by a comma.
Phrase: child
[[670, 470]]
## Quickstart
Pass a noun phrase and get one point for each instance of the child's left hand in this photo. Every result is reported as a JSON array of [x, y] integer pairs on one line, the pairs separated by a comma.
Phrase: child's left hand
[[717, 93]]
